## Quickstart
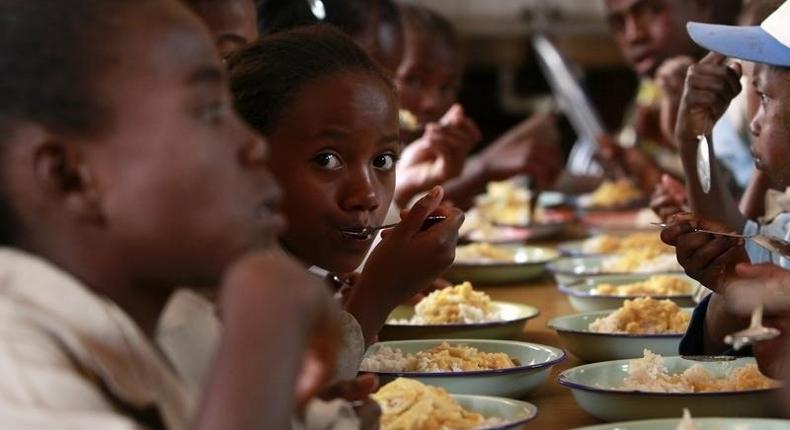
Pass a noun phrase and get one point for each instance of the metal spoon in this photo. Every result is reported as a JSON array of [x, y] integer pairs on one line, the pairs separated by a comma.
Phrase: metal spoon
[[756, 332], [703, 163], [367, 232], [771, 243]]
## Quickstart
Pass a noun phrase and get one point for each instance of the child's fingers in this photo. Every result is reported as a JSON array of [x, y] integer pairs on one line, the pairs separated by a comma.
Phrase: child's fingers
[[706, 254], [671, 234], [412, 221], [713, 58]]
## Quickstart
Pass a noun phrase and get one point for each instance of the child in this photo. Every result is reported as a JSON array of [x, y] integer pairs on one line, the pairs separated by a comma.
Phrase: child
[[428, 81], [126, 174], [710, 86], [232, 22], [331, 117]]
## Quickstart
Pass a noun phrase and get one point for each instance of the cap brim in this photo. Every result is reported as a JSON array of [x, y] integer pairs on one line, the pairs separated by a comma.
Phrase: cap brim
[[745, 43]]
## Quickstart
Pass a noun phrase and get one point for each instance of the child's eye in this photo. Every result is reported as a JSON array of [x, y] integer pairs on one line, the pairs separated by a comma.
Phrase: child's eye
[[328, 160], [385, 162]]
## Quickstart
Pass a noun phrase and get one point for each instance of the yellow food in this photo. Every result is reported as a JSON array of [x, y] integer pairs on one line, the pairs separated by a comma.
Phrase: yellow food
[[606, 243], [642, 260], [506, 202], [618, 193], [455, 305], [659, 285], [650, 374], [408, 121], [407, 404], [644, 315], [477, 252], [441, 358]]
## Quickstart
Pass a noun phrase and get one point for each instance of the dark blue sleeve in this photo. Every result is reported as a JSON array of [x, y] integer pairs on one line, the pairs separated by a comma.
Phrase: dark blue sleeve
[[693, 342]]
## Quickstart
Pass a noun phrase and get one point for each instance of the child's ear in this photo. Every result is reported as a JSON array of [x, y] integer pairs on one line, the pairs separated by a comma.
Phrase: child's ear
[[62, 171]]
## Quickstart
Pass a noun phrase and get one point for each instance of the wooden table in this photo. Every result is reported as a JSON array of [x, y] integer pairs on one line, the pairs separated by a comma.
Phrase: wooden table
[[557, 409]]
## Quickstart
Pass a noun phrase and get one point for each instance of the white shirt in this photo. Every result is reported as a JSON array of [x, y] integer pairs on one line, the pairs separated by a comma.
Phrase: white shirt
[[775, 222]]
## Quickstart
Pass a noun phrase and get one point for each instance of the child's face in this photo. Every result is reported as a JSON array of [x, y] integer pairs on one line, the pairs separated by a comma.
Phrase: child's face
[[183, 181], [771, 124], [334, 153], [428, 78], [649, 32], [232, 22]]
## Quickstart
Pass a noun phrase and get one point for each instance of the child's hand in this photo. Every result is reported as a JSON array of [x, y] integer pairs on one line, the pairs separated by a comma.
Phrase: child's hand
[[767, 285], [405, 262], [705, 257], [669, 198], [670, 77], [358, 391], [253, 288], [710, 86], [436, 157], [532, 148]]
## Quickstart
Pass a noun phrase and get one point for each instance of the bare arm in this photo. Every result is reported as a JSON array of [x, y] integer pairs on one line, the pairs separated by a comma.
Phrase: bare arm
[[710, 86], [272, 312]]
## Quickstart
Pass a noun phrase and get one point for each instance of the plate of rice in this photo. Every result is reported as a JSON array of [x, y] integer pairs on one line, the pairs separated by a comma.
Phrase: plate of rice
[[639, 323], [408, 404], [607, 243], [632, 264], [485, 263], [608, 292], [458, 312], [465, 366], [660, 387]]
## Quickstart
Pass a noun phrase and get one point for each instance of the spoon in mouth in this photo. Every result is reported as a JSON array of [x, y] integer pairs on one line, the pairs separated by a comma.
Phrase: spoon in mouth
[[367, 232]]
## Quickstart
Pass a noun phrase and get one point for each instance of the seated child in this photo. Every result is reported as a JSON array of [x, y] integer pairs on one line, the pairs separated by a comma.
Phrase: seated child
[[331, 117], [710, 86], [127, 173], [232, 22], [428, 80]]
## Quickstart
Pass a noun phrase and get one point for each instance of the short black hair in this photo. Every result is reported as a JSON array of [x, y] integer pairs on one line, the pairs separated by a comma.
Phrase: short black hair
[[266, 75], [51, 52]]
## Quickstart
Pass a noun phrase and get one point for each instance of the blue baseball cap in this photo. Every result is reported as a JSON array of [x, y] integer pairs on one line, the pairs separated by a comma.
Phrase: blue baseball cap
[[767, 43]]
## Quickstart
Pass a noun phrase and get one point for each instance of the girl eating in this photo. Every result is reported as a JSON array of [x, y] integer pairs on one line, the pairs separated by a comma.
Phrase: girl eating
[[331, 117]]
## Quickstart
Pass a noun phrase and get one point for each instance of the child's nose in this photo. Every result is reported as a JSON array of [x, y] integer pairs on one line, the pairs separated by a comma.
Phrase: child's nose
[[754, 126], [360, 193]]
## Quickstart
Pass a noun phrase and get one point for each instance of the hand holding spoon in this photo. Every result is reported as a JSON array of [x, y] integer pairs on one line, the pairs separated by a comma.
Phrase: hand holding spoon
[[771, 243], [756, 332]]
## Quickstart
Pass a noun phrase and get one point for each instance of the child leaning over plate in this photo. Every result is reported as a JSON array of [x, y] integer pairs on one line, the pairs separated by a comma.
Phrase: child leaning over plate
[[125, 174], [710, 85]]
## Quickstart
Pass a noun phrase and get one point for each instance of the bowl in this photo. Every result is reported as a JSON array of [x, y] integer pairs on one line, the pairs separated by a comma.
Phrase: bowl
[[529, 263], [582, 300], [515, 413], [591, 387], [570, 270], [701, 423], [590, 346], [535, 360], [504, 233], [515, 316]]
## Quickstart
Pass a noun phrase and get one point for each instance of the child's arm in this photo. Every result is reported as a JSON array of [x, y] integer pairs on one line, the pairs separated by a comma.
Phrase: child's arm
[[531, 147], [710, 86], [438, 156], [709, 259], [765, 285], [404, 263], [277, 348]]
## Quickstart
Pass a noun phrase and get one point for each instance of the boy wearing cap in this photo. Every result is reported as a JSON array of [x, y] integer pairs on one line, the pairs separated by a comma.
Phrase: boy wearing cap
[[710, 85]]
